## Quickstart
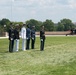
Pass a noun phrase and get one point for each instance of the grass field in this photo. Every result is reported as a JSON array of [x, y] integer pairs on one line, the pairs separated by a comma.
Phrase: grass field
[[58, 58]]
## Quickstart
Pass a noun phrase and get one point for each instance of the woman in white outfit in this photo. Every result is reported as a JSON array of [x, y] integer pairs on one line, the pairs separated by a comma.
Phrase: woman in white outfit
[[23, 36]]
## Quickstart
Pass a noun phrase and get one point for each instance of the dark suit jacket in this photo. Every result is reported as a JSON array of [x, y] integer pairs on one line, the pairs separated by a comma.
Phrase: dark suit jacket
[[42, 34], [28, 33], [16, 32], [11, 34], [32, 33]]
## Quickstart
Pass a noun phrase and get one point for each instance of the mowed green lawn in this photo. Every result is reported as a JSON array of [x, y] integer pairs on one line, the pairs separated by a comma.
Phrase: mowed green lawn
[[58, 58]]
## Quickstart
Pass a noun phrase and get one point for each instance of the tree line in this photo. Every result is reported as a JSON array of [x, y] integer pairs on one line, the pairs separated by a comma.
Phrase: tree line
[[63, 25]]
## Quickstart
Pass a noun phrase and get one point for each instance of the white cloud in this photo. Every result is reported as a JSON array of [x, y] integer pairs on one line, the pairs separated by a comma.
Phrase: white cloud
[[37, 9], [72, 3]]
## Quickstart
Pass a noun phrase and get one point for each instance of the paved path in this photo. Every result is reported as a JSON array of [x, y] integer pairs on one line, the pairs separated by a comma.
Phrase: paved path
[[39, 36], [3, 37]]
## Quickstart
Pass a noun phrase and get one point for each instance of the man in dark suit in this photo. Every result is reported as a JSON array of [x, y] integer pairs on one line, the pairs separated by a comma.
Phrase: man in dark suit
[[42, 38], [28, 36], [11, 38], [32, 37]]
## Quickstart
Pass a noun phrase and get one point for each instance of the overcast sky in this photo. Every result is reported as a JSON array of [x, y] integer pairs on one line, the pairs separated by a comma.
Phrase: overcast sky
[[23, 10]]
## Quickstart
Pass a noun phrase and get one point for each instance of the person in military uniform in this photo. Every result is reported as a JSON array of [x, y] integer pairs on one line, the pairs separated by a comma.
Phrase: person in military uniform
[[75, 31], [32, 37], [23, 36], [16, 37], [11, 37], [28, 36], [42, 38]]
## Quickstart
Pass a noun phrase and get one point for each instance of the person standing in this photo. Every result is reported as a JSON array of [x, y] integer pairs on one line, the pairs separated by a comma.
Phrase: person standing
[[32, 37], [23, 36], [42, 38], [11, 37], [28, 36], [17, 38]]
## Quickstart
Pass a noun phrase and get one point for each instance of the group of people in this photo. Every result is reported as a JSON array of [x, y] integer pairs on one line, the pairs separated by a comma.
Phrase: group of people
[[26, 34]]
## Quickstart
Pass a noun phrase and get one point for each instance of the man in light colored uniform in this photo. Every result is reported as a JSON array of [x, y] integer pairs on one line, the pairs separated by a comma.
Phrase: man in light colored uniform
[[23, 36]]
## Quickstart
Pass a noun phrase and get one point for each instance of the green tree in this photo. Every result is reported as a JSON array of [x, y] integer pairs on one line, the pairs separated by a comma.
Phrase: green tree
[[60, 27], [35, 23], [5, 22], [49, 25], [67, 24]]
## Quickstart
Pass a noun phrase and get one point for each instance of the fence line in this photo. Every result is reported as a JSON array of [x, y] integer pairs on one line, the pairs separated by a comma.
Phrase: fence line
[[46, 33]]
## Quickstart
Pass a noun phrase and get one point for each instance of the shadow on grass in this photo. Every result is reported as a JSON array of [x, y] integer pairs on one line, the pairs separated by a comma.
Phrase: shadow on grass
[[4, 50]]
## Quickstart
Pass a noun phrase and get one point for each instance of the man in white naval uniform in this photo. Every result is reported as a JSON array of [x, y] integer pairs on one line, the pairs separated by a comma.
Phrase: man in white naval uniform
[[23, 36]]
